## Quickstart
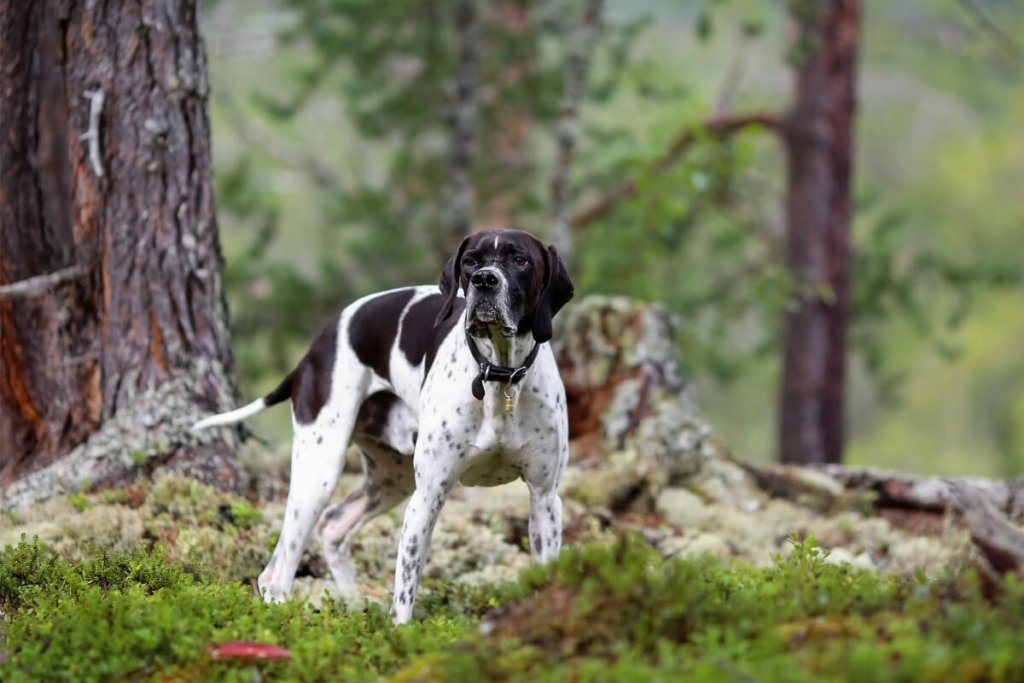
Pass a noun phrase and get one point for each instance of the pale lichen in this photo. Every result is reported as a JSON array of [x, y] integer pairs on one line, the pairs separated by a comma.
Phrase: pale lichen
[[658, 472], [146, 433]]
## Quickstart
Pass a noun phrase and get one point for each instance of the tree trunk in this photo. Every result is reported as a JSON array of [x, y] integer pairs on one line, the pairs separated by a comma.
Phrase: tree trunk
[[582, 35], [462, 122], [818, 138], [105, 166], [506, 27]]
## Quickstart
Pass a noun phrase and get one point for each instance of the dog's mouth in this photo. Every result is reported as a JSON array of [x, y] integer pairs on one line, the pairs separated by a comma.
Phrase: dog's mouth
[[485, 312], [485, 319]]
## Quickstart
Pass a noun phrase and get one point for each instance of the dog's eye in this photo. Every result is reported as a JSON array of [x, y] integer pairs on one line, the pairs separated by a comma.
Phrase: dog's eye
[[468, 261], [521, 261]]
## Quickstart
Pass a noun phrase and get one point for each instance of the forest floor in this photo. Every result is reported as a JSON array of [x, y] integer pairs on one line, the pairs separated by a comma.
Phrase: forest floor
[[704, 579]]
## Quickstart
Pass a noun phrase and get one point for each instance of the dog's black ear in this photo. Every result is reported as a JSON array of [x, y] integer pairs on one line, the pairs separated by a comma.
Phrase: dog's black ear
[[449, 283], [557, 292]]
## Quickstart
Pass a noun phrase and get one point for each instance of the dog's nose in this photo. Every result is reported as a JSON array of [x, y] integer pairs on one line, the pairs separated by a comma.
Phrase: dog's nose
[[484, 280]]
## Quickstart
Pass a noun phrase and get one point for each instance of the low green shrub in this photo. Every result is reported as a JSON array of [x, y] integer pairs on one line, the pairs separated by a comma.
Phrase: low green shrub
[[597, 613], [620, 612], [140, 617]]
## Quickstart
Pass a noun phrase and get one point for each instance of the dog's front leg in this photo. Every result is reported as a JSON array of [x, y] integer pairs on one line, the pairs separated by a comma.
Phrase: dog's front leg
[[542, 474], [420, 515], [545, 524]]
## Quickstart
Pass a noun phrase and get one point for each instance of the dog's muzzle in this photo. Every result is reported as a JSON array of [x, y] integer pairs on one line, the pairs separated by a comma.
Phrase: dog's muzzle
[[487, 301]]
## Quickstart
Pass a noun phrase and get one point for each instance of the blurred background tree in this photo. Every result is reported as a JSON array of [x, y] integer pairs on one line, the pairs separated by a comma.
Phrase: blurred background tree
[[335, 123]]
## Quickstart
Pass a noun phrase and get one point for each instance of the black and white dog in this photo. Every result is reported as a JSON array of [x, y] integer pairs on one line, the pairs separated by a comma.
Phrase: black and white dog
[[434, 388]]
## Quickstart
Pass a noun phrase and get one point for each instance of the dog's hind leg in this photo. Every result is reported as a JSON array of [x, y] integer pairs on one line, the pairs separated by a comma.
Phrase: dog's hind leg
[[318, 455], [389, 481]]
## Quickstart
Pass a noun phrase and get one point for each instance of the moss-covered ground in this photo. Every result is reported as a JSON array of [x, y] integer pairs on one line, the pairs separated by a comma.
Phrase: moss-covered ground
[[612, 611]]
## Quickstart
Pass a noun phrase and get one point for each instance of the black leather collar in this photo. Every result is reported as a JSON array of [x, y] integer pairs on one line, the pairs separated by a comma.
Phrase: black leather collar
[[496, 373]]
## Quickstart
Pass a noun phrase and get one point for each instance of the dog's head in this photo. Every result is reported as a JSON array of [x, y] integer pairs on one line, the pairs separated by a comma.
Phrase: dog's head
[[513, 284]]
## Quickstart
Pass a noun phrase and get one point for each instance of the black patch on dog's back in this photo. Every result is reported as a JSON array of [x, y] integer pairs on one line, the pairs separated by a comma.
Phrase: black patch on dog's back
[[311, 379], [418, 328], [419, 336], [373, 327]]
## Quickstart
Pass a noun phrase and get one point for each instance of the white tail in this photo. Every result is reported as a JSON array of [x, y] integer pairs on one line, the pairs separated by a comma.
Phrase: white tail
[[231, 417]]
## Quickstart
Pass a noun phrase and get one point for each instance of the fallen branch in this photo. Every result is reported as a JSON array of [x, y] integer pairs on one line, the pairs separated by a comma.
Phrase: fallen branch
[[41, 284], [717, 128], [999, 541], [930, 494]]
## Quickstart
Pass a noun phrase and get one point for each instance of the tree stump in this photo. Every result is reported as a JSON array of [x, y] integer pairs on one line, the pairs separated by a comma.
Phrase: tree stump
[[625, 396]]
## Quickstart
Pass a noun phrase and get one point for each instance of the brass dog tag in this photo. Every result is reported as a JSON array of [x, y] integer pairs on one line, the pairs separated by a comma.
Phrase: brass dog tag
[[510, 394]]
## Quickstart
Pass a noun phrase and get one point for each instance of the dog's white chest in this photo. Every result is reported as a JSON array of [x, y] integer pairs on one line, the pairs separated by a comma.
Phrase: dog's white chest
[[495, 452], [492, 467]]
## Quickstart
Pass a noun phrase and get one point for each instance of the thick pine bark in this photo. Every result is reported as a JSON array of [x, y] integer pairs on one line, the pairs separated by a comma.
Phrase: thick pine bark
[[133, 207], [818, 138]]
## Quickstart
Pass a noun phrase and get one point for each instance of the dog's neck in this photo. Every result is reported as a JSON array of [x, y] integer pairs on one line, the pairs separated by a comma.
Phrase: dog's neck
[[509, 352]]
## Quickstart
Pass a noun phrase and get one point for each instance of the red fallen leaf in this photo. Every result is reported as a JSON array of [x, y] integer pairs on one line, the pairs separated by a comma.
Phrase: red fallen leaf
[[247, 649]]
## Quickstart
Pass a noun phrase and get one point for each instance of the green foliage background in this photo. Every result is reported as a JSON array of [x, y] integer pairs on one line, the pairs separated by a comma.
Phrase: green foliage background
[[329, 134]]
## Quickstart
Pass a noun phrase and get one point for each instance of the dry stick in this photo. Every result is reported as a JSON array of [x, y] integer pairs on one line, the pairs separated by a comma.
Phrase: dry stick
[[92, 135], [41, 284], [462, 122], [717, 127], [935, 494], [998, 540], [989, 507], [577, 64]]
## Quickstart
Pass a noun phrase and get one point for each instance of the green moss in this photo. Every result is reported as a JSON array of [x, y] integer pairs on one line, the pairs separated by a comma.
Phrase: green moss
[[141, 617], [620, 612], [226, 553], [617, 611], [244, 515], [183, 498], [79, 501]]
